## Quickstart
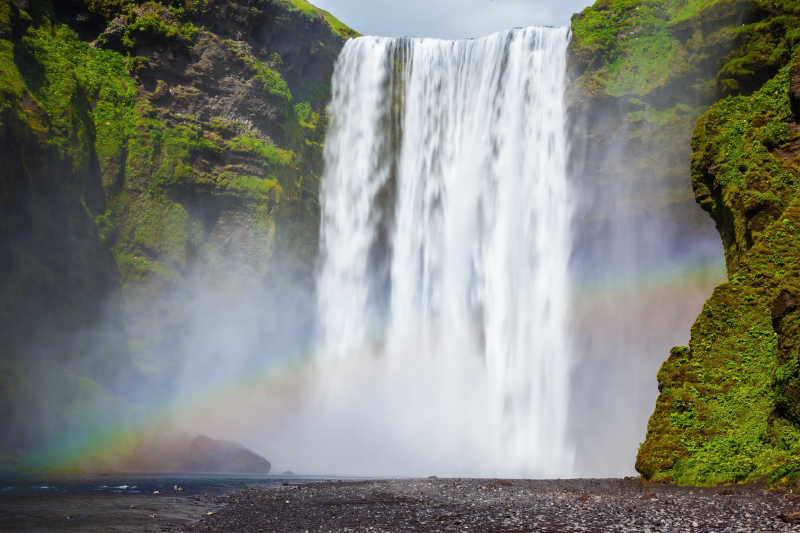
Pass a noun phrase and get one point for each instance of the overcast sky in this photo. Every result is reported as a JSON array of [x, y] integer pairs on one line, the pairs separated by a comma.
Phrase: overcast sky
[[449, 19]]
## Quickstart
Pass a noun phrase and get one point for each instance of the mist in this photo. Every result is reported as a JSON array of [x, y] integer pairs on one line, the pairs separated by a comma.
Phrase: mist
[[646, 258], [236, 347]]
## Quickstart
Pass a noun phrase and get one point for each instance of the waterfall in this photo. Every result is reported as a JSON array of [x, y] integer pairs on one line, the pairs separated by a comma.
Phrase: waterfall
[[444, 291]]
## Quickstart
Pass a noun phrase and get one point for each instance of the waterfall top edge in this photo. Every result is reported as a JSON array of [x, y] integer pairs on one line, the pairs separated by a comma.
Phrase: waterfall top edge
[[475, 38]]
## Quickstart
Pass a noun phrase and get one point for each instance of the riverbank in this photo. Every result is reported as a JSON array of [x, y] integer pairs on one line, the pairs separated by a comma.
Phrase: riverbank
[[103, 513], [504, 505], [121, 503], [485, 505]]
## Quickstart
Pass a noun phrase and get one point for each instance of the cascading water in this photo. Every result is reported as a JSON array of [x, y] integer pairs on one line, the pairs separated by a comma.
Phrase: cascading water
[[444, 289]]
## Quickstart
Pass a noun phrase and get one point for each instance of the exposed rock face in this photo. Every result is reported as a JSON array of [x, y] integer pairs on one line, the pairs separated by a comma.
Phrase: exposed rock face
[[143, 144], [728, 404], [643, 73]]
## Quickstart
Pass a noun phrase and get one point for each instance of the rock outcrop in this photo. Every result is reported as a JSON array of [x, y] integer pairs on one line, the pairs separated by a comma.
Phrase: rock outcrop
[[144, 143], [728, 403], [164, 451], [728, 408]]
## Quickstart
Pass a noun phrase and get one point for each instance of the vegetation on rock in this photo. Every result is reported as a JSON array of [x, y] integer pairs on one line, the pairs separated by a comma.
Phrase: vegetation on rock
[[645, 70], [149, 133], [729, 402]]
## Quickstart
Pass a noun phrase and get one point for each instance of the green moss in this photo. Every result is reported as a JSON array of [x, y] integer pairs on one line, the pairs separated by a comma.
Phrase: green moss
[[13, 21], [152, 21], [180, 146], [273, 156], [46, 65], [625, 45], [87, 94], [728, 403], [314, 13], [303, 112], [646, 65], [109, 8], [766, 46], [178, 191], [632, 47], [158, 236], [105, 226], [270, 79], [254, 188], [736, 136]]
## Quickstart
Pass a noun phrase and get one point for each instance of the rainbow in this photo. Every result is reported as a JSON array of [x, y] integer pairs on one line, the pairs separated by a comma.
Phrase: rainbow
[[108, 438]]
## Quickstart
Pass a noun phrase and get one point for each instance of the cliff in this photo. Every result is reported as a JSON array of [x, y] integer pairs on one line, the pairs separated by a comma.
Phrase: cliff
[[728, 403], [144, 145]]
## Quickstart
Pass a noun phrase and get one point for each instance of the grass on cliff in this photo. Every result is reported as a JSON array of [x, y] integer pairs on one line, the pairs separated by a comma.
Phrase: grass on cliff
[[633, 47], [153, 21], [313, 13], [95, 117], [726, 403], [73, 81]]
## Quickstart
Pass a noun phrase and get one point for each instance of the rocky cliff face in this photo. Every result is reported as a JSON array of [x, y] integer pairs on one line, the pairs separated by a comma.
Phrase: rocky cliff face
[[644, 72], [146, 144], [734, 391], [728, 403]]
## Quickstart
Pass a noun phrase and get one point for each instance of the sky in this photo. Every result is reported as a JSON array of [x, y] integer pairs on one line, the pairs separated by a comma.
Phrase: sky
[[449, 19]]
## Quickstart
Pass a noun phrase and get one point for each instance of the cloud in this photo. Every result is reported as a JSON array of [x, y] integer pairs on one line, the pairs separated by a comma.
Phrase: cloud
[[449, 19]]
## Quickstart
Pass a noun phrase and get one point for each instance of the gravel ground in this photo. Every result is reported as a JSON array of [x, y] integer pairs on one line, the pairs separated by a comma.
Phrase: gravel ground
[[102, 513], [504, 505]]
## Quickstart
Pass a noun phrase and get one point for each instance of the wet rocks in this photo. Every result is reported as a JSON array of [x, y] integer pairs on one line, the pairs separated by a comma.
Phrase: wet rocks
[[209, 455]]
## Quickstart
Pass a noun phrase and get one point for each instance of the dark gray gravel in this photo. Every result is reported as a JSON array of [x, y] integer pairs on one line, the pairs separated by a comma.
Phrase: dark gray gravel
[[505, 505]]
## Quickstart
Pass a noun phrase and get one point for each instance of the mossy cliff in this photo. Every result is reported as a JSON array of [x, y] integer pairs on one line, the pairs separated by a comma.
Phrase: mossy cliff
[[644, 71], [729, 403], [141, 141], [729, 408]]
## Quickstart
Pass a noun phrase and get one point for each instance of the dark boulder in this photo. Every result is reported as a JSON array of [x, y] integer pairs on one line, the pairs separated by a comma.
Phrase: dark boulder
[[208, 455]]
